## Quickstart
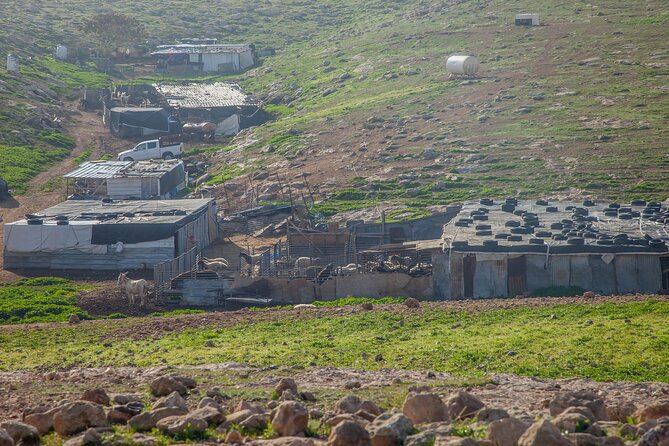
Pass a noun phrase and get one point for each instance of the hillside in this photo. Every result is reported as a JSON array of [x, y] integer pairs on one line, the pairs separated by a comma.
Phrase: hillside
[[576, 107]]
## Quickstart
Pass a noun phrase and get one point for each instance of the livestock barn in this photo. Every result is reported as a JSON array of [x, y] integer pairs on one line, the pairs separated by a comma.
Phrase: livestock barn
[[509, 248], [117, 235], [221, 58], [122, 180]]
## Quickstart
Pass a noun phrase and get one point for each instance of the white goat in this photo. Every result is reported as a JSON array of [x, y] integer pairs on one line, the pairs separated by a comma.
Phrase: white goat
[[301, 265], [133, 288]]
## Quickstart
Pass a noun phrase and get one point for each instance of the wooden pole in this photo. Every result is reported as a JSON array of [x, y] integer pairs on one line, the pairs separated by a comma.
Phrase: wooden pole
[[304, 175]]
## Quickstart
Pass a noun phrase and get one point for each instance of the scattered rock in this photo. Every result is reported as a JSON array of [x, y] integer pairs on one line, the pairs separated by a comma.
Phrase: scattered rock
[[174, 399], [75, 417], [165, 385], [389, 430], [180, 424], [462, 405], [576, 422], [286, 384], [42, 421], [563, 400], [652, 412], [210, 414], [257, 422], [350, 385], [585, 439], [425, 408], [543, 433], [21, 433], [412, 303], [89, 438], [121, 414], [467, 441], [487, 415], [367, 306], [290, 419], [73, 319], [340, 418], [657, 436], [98, 396], [507, 431], [146, 421], [348, 433]]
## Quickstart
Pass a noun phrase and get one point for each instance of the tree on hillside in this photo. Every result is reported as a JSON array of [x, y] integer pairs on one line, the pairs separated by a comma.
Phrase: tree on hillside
[[112, 30]]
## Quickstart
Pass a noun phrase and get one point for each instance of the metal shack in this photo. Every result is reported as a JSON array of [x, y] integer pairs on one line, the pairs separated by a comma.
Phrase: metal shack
[[186, 57], [223, 103], [118, 235], [510, 248], [122, 180]]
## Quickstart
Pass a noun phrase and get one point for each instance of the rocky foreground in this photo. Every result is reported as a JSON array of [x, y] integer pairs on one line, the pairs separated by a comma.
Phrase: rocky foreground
[[175, 412]]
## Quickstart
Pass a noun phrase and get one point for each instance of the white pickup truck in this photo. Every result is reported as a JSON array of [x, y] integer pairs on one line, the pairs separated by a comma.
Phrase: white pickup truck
[[152, 149]]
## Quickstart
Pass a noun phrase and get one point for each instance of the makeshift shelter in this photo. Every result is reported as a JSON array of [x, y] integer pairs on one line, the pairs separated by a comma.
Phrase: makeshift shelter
[[527, 19], [120, 180], [109, 235], [223, 103], [222, 58], [495, 249], [4, 189], [140, 121]]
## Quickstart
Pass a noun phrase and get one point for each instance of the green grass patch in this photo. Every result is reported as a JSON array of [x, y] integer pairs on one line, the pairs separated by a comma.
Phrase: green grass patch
[[44, 299], [83, 157], [20, 164], [624, 342]]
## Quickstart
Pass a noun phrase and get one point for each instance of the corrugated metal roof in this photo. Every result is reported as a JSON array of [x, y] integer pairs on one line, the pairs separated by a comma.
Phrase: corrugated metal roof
[[201, 95], [166, 50], [121, 169]]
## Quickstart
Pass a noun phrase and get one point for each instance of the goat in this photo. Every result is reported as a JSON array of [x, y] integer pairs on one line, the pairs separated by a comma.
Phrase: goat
[[133, 288], [252, 262], [325, 274]]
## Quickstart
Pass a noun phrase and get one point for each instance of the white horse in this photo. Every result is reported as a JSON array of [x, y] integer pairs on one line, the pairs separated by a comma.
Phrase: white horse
[[133, 288]]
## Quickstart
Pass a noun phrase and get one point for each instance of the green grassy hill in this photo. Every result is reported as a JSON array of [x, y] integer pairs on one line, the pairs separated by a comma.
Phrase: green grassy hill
[[576, 107]]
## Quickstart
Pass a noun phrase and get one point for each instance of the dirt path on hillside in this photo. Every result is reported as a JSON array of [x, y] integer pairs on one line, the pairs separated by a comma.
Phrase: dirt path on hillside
[[88, 132]]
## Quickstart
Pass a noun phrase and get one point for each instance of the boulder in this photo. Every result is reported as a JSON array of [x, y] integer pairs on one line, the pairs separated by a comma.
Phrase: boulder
[[340, 418], [256, 422], [652, 412], [657, 436], [245, 405], [543, 433], [577, 422], [239, 416], [143, 440], [209, 402], [462, 405], [98, 396], [165, 385], [21, 433], [210, 414], [507, 431], [146, 421], [174, 399], [584, 439], [348, 433], [348, 404], [389, 430], [412, 303], [121, 414], [487, 415], [180, 424], [89, 438], [125, 398], [187, 381], [288, 441], [78, 416], [290, 419], [5, 438], [366, 415], [42, 421], [370, 407], [425, 438], [234, 437], [424, 408], [563, 400], [73, 319], [621, 412], [286, 384]]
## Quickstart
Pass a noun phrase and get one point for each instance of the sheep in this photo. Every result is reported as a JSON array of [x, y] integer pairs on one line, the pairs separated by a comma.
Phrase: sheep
[[304, 306], [217, 265], [347, 270], [301, 264]]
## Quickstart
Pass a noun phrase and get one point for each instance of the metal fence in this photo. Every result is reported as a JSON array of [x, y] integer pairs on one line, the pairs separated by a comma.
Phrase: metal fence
[[164, 272]]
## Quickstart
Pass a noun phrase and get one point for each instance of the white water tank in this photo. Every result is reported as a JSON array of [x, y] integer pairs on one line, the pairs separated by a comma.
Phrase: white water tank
[[61, 52], [467, 65], [12, 63]]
